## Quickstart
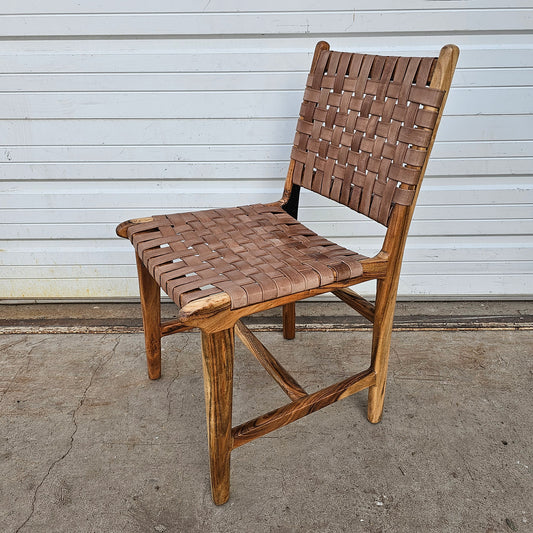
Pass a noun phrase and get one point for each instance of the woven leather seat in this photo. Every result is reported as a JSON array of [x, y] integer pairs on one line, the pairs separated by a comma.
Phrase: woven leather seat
[[253, 253], [367, 124]]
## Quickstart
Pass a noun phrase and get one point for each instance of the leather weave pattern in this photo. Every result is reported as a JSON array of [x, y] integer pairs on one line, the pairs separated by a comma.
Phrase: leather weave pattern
[[253, 253], [365, 124]]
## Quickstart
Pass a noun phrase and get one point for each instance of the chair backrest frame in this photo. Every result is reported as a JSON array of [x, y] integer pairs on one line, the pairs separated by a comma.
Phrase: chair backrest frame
[[397, 219]]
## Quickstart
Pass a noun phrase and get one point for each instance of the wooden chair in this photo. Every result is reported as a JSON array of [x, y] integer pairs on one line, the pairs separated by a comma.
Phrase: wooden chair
[[366, 128]]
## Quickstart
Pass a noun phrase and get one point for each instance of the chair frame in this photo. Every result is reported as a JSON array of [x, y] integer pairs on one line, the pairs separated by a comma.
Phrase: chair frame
[[218, 323]]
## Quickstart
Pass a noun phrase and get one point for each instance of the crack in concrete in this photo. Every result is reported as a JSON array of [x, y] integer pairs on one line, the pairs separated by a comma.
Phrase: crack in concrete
[[23, 367], [11, 344], [100, 365], [178, 352]]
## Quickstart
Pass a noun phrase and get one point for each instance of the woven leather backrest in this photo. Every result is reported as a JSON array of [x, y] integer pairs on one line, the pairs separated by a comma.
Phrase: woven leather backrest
[[364, 130]]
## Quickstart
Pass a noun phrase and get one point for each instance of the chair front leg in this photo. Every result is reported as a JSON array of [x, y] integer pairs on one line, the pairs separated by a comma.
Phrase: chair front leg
[[381, 337], [217, 357], [151, 311]]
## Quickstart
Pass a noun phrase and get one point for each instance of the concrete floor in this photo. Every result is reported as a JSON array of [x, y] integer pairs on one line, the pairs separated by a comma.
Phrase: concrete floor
[[89, 444]]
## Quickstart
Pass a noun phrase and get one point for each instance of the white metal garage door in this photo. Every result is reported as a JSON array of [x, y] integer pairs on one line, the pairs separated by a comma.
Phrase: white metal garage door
[[109, 111]]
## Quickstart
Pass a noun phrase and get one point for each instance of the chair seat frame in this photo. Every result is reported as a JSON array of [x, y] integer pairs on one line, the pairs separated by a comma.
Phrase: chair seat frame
[[218, 323]]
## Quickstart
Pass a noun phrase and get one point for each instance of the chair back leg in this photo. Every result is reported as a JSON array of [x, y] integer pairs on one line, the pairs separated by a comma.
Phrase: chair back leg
[[151, 312], [381, 337], [289, 320], [217, 357]]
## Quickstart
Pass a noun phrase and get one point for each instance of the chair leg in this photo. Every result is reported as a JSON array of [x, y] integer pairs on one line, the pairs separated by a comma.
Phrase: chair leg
[[151, 311], [384, 315], [217, 356], [289, 320]]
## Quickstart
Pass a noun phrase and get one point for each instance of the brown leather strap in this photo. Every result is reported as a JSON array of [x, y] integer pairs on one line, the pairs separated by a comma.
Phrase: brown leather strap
[[364, 130], [253, 253]]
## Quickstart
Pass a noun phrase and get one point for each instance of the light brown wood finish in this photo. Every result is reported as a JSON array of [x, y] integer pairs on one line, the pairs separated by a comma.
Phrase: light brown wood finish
[[217, 357], [151, 312], [394, 246], [289, 385], [217, 320], [293, 411], [289, 321], [173, 326], [122, 229], [357, 303], [381, 337]]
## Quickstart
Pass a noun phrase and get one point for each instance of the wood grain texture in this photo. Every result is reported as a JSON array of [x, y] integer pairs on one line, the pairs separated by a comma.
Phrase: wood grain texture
[[381, 337], [289, 321], [394, 245], [217, 357], [289, 413], [289, 385], [218, 310], [168, 327], [151, 312], [356, 302], [122, 229]]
